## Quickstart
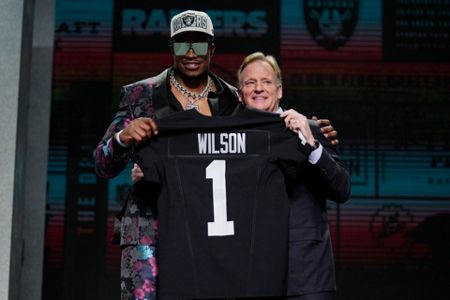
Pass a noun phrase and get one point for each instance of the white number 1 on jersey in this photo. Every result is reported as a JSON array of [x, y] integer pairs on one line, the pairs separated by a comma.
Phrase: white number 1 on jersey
[[220, 227]]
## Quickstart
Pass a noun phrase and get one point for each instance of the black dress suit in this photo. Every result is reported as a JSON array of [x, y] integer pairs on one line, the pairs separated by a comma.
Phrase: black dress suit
[[311, 264]]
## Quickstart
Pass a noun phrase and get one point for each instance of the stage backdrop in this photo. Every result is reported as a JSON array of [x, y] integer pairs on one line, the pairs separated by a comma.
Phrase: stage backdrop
[[380, 70]]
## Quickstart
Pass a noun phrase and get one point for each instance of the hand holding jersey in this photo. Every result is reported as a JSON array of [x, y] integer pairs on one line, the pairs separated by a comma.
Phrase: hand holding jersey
[[298, 123], [137, 131]]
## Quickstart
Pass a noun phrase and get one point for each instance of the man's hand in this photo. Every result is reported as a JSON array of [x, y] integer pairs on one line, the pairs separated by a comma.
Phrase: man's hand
[[138, 130], [298, 123], [136, 174], [328, 130]]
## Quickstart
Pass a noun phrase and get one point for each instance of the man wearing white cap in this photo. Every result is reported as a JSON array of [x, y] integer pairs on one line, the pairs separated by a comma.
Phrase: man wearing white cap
[[188, 84]]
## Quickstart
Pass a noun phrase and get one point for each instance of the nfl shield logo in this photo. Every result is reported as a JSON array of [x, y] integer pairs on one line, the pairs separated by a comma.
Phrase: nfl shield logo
[[331, 22]]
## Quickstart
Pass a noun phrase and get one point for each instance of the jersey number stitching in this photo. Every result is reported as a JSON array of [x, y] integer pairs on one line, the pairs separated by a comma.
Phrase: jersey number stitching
[[220, 226]]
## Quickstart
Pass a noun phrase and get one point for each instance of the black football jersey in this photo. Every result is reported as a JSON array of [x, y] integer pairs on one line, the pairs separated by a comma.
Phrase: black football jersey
[[222, 206]]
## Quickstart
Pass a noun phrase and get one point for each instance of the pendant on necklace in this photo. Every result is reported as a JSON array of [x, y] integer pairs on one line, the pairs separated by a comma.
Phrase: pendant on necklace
[[191, 106]]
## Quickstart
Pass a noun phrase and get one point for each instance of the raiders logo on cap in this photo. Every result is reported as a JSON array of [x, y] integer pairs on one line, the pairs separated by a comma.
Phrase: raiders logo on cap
[[188, 19]]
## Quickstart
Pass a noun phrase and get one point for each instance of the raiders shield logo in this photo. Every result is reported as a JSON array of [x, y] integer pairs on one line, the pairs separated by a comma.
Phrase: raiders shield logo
[[331, 22], [188, 20]]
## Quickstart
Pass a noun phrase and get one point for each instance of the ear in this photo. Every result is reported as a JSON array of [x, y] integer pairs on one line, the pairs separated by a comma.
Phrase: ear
[[239, 93], [280, 92], [212, 48]]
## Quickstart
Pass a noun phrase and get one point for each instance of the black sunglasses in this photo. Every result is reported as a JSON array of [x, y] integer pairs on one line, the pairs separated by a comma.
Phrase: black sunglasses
[[181, 48]]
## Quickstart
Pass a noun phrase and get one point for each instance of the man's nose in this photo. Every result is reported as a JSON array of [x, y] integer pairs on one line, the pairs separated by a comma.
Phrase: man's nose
[[191, 52], [259, 86]]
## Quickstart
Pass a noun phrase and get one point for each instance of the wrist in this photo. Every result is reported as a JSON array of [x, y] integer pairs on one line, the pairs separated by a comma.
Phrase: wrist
[[118, 140], [312, 146], [316, 154], [313, 143]]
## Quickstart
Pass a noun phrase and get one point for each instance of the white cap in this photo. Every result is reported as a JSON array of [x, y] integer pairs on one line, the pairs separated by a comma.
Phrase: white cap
[[191, 21]]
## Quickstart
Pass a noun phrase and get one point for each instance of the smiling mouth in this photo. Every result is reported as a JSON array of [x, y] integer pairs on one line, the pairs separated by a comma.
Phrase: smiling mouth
[[259, 98], [191, 66]]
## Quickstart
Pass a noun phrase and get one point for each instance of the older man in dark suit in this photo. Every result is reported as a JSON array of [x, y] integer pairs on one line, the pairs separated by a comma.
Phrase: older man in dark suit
[[311, 274]]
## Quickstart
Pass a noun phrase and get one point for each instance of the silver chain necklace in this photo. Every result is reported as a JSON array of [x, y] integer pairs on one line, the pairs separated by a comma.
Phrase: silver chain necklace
[[191, 97]]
